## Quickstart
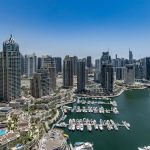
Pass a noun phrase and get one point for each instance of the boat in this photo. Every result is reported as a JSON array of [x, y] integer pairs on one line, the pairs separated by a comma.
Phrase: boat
[[144, 148], [96, 126], [89, 127], [73, 127], [101, 127], [84, 146], [115, 111], [70, 127], [127, 125], [78, 143], [77, 127], [115, 127], [81, 127]]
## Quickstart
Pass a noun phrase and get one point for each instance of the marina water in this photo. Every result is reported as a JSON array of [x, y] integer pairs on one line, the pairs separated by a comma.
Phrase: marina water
[[134, 107]]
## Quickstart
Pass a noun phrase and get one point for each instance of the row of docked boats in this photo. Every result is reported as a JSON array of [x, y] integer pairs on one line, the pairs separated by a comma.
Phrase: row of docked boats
[[90, 109], [79, 124], [113, 103]]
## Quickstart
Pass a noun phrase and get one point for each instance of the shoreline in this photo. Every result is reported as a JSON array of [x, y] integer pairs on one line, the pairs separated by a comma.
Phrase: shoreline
[[110, 96], [116, 95]]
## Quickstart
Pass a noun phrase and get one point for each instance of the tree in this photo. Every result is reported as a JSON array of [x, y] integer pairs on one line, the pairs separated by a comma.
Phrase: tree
[[9, 125]]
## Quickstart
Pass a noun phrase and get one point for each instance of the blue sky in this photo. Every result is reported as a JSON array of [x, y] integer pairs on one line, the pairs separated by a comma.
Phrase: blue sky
[[77, 27]]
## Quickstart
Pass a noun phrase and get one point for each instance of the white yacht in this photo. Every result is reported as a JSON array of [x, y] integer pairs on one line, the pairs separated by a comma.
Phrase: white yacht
[[77, 127], [89, 127], [96, 126], [81, 127], [84, 146], [73, 127], [101, 127]]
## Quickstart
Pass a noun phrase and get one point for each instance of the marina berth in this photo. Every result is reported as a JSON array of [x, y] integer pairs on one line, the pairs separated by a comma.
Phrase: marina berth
[[90, 124], [94, 109], [78, 124]]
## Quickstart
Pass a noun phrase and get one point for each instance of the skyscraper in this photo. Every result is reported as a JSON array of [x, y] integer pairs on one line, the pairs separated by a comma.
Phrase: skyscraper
[[105, 59], [40, 83], [120, 73], [10, 70], [89, 61], [89, 64], [74, 62], [22, 65], [86, 76], [139, 70], [39, 63], [81, 76], [130, 57], [46, 60], [107, 78], [147, 68], [52, 75], [97, 70], [30, 62], [36, 86], [129, 74], [58, 64], [67, 72]]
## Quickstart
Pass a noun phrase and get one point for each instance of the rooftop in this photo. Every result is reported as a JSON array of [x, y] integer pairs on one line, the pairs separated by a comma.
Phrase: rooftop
[[5, 109]]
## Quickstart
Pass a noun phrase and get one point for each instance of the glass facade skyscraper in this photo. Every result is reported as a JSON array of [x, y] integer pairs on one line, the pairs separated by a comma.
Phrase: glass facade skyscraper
[[81, 76], [67, 72], [10, 71]]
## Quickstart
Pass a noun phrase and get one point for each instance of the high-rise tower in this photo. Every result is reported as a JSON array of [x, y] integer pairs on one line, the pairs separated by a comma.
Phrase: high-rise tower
[[130, 57], [67, 72], [10, 70], [107, 78], [81, 76]]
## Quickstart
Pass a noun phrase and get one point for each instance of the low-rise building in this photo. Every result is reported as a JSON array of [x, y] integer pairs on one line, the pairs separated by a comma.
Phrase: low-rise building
[[7, 139], [5, 112]]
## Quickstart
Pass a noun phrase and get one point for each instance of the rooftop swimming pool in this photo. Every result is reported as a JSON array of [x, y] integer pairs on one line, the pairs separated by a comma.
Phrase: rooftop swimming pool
[[2, 132]]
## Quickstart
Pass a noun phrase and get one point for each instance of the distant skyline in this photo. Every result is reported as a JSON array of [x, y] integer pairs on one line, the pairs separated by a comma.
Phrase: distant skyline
[[77, 27]]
